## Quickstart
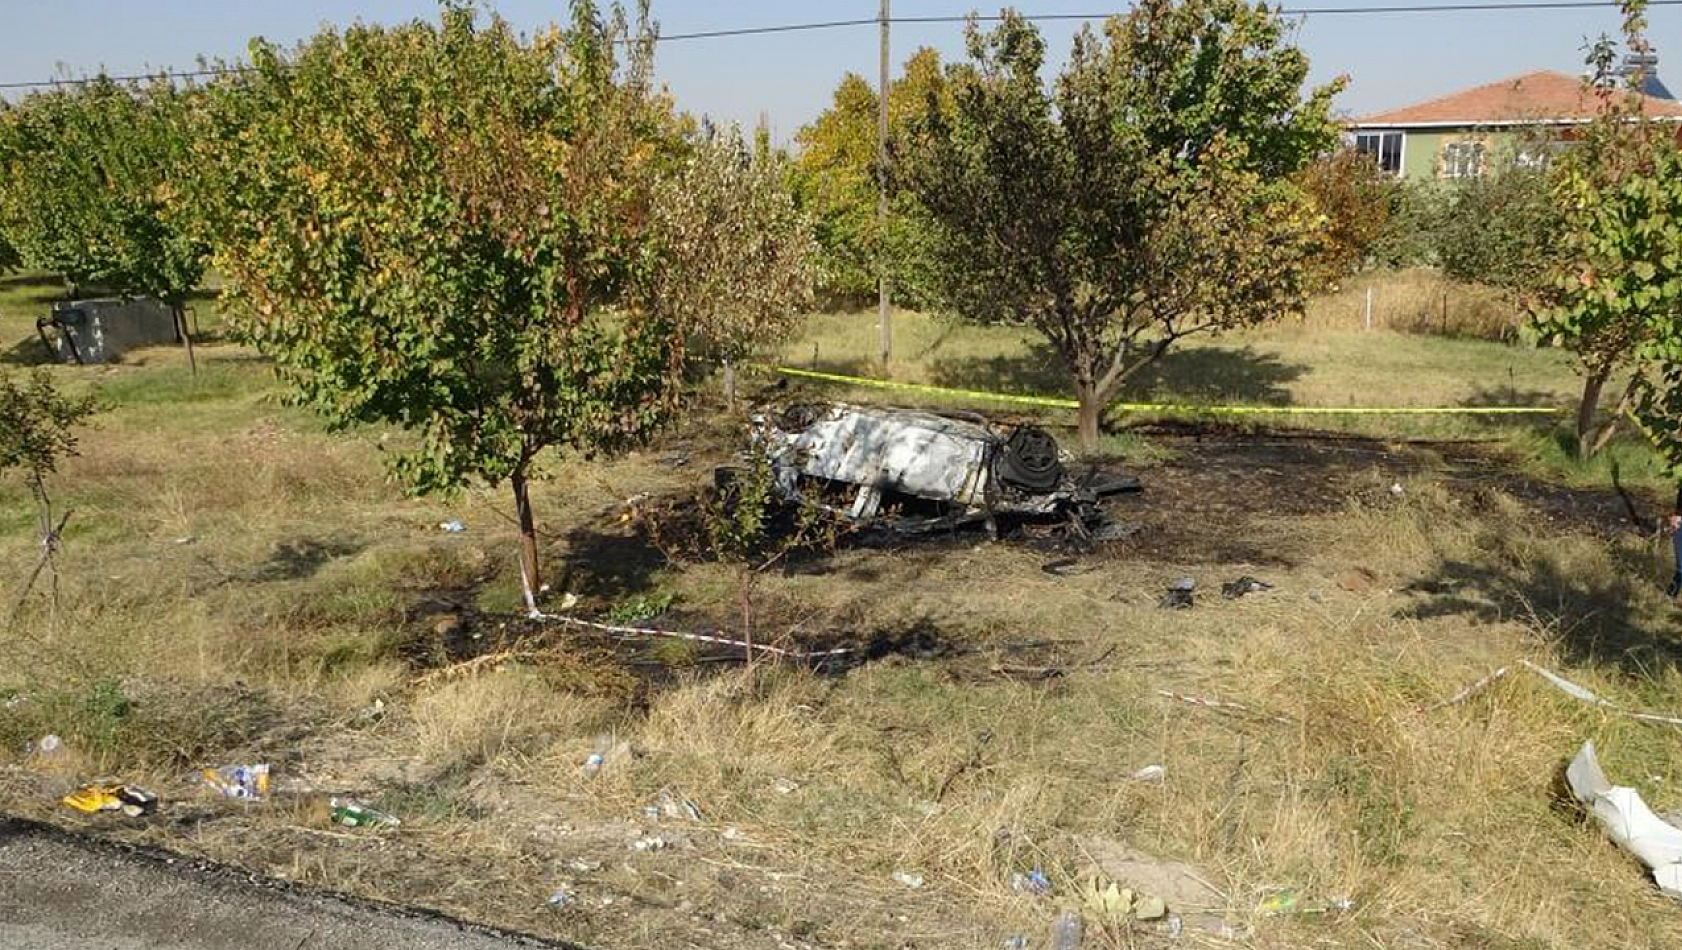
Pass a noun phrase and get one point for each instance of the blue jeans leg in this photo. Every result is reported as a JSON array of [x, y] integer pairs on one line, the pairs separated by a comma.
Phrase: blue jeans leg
[[1676, 580]]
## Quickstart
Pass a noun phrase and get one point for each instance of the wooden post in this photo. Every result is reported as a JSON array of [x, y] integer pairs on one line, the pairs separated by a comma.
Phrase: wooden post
[[883, 314], [1369, 307]]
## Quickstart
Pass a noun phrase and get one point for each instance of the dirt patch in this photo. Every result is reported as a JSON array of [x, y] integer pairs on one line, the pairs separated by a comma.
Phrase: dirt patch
[[1213, 498]]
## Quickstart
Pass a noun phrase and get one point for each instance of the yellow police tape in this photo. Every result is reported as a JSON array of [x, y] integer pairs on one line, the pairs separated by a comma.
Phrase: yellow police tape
[[1052, 402]]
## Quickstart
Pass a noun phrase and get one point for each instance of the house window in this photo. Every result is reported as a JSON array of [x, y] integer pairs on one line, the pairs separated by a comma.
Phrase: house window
[[1463, 160], [1384, 147]]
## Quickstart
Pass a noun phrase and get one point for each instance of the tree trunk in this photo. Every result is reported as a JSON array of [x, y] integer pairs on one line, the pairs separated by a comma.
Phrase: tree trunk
[[530, 579], [186, 335], [1614, 419], [1091, 409], [1592, 385], [730, 385]]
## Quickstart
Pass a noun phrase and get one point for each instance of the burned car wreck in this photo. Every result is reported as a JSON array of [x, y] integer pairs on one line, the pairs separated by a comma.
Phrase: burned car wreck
[[913, 470]]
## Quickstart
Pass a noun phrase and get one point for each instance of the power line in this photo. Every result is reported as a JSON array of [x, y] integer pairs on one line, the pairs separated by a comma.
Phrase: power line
[[1474, 6]]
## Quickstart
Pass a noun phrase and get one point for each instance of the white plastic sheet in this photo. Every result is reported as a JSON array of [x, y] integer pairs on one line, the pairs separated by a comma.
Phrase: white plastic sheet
[[1628, 820]]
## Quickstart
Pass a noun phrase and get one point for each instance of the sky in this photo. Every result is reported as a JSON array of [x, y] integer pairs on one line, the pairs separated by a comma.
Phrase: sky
[[1391, 59]]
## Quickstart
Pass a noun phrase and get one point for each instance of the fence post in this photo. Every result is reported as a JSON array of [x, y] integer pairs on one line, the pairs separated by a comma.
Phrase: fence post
[[1369, 306]]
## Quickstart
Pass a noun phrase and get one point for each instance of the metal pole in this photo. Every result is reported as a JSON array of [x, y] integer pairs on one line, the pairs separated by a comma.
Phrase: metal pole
[[883, 315], [1369, 307]]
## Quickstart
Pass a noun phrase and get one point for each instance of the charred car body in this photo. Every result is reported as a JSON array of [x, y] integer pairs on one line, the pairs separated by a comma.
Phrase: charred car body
[[916, 470]]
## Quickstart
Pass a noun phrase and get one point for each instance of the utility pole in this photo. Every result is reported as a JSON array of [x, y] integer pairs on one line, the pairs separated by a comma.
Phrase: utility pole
[[882, 309]]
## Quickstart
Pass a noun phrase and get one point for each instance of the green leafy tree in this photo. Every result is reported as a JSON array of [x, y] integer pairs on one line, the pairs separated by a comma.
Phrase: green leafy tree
[[1145, 198], [447, 227], [738, 256], [87, 173], [10, 259], [1356, 198], [1614, 293], [1500, 229], [836, 175]]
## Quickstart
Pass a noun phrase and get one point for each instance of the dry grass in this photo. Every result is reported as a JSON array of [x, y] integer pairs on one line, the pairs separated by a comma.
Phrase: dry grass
[[269, 636]]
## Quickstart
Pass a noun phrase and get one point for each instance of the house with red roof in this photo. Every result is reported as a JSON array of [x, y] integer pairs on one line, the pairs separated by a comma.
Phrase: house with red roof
[[1465, 134]]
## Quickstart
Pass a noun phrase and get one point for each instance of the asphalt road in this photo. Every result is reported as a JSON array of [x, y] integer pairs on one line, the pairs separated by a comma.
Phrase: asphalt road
[[62, 892]]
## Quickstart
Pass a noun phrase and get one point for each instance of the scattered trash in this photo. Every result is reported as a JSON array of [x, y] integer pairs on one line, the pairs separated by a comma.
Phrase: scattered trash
[[913, 881], [732, 833], [372, 712], [1115, 531], [583, 866], [1150, 773], [452, 527], [607, 751], [1628, 820], [1067, 932], [354, 814], [1396, 490], [1179, 594], [1234, 589], [1149, 907], [1016, 942], [560, 899], [1033, 882], [1468, 692], [1285, 903], [187, 539], [1223, 706], [244, 782], [650, 843], [569, 601], [785, 786], [128, 799], [49, 744], [1577, 692], [1065, 567], [1176, 926], [677, 807]]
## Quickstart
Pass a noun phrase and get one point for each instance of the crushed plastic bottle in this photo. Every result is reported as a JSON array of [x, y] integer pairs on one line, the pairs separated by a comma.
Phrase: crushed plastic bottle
[[354, 814], [1067, 933]]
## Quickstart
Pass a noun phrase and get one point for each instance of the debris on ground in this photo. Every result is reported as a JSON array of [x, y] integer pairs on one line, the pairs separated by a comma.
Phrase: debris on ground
[[1239, 587], [242, 782], [1578, 692], [909, 879], [49, 745], [451, 527], [131, 800], [1032, 882], [917, 471], [1016, 942], [1468, 692], [1150, 773], [676, 806], [785, 786], [608, 751], [1179, 595], [1396, 490], [1223, 706], [1286, 903], [1065, 567], [1628, 820], [355, 814], [650, 843], [1067, 932], [560, 899]]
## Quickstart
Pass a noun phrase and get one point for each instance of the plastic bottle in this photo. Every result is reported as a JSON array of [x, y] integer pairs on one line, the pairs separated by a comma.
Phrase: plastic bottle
[[1066, 934]]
